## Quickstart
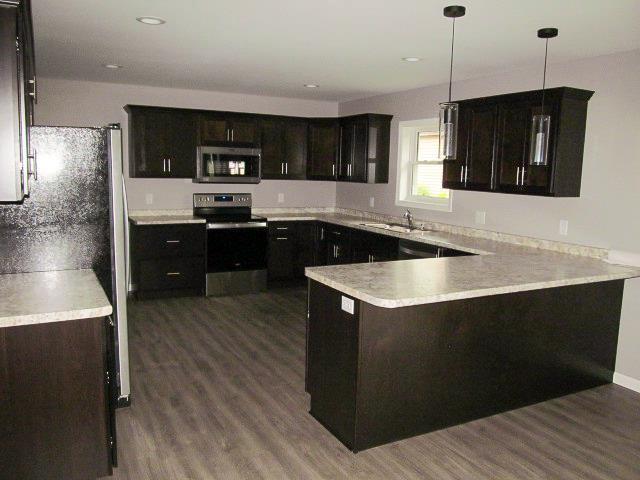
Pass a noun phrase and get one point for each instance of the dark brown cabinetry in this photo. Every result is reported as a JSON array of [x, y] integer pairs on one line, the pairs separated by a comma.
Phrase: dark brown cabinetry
[[369, 247], [494, 143], [284, 147], [168, 259], [338, 244], [364, 149], [162, 142], [221, 128], [322, 160], [54, 412], [291, 249]]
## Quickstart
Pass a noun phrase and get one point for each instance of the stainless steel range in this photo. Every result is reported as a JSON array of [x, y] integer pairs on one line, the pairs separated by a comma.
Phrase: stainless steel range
[[236, 243]]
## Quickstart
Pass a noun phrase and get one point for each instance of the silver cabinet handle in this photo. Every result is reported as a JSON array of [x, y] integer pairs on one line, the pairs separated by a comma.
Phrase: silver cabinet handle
[[282, 238], [522, 177], [281, 168], [173, 274], [164, 165], [32, 168], [518, 176], [286, 168], [228, 133], [321, 233], [169, 162], [232, 134], [466, 173], [333, 170], [173, 241], [462, 174], [34, 92], [282, 228], [337, 233]]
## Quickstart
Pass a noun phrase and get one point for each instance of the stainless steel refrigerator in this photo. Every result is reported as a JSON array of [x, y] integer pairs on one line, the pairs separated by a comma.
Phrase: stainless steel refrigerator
[[75, 217]]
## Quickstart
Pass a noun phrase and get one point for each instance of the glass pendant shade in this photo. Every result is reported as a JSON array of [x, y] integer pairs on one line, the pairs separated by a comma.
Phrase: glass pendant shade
[[448, 130], [540, 127]]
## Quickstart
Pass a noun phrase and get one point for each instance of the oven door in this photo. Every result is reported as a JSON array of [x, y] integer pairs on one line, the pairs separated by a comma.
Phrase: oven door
[[228, 165], [236, 258]]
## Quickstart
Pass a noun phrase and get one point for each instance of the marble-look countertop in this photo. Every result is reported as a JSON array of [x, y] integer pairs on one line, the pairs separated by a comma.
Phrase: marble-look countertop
[[497, 268], [164, 219], [44, 297]]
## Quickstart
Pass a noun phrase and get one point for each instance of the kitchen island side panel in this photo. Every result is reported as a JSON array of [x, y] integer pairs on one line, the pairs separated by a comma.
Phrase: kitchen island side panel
[[427, 367]]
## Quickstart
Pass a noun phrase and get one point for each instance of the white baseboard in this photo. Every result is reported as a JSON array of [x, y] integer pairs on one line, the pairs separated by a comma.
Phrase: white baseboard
[[627, 382]]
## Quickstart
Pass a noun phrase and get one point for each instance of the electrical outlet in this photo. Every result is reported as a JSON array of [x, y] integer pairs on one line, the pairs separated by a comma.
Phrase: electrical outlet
[[372, 202], [348, 305], [481, 217], [148, 199], [281, 198], [563, 229]]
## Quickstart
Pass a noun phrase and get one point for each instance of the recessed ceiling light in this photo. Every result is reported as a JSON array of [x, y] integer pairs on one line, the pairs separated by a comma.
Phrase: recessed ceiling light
[[151, 20], [411, 59], [112, 66], [311, 85]]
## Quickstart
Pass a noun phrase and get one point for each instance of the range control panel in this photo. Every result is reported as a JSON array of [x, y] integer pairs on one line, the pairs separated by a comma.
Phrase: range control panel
[[205, 200]]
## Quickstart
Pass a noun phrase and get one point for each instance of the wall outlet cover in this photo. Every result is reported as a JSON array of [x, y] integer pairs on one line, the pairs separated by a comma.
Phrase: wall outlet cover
[[281, 198], [481, 218], [348, 305], [148, 198], [563, 228]]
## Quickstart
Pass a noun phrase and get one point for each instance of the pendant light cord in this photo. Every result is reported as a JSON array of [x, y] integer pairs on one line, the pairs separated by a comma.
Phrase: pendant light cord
[[544, 75], [453, 39]]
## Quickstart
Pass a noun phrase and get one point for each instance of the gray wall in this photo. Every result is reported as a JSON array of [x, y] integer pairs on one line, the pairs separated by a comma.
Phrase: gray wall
[[77, 103], [605, 215]]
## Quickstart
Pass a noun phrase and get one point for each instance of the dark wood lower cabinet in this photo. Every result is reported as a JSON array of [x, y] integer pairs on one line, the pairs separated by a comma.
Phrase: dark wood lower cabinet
[[54, 413], [292, 248], [383, 374]]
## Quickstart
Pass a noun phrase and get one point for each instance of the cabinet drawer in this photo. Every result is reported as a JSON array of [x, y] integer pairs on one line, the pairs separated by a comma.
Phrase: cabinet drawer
[[282, 228], [156, 241], [171, 273]]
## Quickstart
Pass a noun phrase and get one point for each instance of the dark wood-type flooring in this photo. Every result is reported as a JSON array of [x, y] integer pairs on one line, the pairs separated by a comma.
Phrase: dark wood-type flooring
[[218, 393]]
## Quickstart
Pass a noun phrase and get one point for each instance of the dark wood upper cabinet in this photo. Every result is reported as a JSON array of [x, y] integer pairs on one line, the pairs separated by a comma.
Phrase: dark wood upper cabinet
[[162, 142], [221, 128], [494, 144], [364, 149], [322, 160], [284, 147]]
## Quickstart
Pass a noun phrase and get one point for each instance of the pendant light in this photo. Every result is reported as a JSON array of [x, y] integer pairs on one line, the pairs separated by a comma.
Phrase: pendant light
[[541, 124], [448, 127]]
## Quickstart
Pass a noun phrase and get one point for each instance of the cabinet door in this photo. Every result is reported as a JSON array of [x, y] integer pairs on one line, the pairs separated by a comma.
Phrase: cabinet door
[[272, 148], [295, 148], [305, 248], [244, 131], [481, 151], [346, 151], [147, 134], [322, 246], [360, 139], [180, 144], [323, 149], [281, 265], [513, 133], [214, 129]]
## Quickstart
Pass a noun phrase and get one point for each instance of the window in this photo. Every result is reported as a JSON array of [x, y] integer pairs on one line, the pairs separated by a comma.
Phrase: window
[[420, 168]]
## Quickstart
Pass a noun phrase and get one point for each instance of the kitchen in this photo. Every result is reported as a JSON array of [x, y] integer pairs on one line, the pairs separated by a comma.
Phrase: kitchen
[[222, 381]]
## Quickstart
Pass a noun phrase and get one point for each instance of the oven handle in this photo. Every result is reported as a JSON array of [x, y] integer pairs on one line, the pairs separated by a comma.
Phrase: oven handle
[[228, 226]]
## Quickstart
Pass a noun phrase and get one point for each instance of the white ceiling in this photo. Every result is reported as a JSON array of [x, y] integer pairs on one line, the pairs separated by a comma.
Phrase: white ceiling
[[351, 48]]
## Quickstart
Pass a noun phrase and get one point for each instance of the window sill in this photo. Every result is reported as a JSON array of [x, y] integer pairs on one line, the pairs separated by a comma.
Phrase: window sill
[[425, 204]]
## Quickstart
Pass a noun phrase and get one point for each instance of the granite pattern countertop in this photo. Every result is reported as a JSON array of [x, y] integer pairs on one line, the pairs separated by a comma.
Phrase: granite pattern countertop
[[44, 297]]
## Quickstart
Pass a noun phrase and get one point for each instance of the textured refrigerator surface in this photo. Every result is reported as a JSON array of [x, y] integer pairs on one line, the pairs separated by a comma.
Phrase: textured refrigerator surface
[[64, 223]]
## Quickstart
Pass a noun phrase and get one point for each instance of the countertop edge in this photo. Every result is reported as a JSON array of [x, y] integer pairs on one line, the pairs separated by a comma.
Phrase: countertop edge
[[53, 317], [482, 292]]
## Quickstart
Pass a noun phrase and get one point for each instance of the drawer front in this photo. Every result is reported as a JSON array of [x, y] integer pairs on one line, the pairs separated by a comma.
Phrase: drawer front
[[279, 229], [172, 273], [156, 241]]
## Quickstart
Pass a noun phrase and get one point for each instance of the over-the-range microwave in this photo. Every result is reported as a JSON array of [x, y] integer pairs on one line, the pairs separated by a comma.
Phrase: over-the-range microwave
[[228, 165]]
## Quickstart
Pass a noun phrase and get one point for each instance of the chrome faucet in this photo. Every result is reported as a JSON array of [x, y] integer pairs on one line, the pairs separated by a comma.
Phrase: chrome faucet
[[408, 216]]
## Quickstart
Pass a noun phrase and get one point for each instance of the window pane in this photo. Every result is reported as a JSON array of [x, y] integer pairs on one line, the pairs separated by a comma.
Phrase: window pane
[[427, 177]]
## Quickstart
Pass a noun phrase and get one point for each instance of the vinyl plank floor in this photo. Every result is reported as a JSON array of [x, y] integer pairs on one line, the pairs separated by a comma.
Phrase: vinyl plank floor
[[218, 393]]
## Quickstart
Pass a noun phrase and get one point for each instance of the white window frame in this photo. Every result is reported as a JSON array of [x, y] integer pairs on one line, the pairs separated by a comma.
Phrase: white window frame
[[408, 132]]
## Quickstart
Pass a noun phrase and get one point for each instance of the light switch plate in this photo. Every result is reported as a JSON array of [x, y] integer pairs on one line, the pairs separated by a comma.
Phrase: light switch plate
[[148, 199], [348, 305], [481, 217], [281, 198]]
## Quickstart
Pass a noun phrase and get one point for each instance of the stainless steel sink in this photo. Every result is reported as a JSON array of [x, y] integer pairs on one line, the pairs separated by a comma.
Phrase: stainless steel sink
[[394, 227]]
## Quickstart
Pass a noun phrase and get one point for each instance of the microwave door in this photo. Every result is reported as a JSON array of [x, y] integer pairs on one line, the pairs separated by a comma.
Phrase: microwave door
[[228, 165]]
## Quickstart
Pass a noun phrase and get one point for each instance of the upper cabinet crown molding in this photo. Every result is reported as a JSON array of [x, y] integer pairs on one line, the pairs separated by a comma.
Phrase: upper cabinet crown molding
[[494, 142], [163, 143]]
